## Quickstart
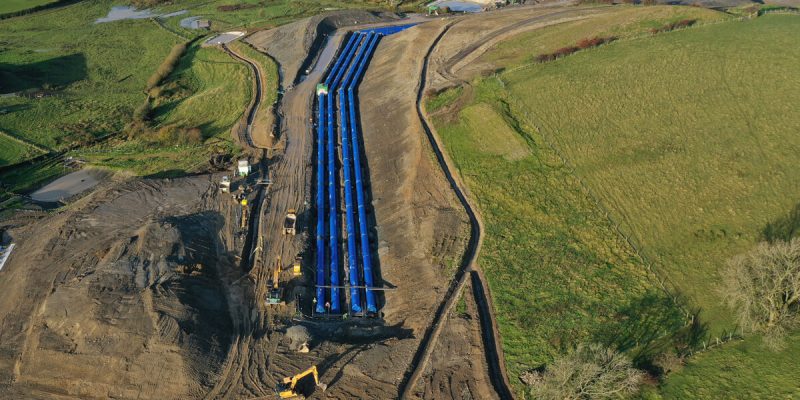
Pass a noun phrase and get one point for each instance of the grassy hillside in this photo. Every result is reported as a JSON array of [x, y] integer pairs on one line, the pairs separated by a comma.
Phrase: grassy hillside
[[691, 150], [688, 138], [208, 89], [93, 75], [7, 6], [558, 273], [742, 370]]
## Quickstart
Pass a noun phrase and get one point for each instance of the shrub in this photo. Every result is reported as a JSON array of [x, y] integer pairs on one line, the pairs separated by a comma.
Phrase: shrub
[[582, 44], [684, 23], [763, 287], [589, 372], [166, 66]]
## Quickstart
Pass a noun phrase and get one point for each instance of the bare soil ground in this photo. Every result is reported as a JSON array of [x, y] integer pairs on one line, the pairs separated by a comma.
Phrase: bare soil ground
[[119, 296]]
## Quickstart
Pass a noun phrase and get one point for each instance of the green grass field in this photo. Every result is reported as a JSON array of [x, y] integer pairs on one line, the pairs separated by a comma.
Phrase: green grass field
[[558, 273], [687, 137], [742, 370], [212, 91], [95, 72], [7, 6], [691, 149]]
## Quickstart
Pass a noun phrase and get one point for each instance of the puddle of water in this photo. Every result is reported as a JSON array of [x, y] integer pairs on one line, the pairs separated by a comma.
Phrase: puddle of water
[[459, 6], [189, 23], [119, 13], [224, 38], [69, 185], [172, 14]]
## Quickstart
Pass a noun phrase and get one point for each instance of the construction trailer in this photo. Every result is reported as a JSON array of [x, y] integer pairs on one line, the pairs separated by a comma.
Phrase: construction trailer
[[243, 168]]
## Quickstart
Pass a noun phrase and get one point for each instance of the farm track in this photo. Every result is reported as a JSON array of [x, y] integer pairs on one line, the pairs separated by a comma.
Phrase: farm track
[[469, 267]]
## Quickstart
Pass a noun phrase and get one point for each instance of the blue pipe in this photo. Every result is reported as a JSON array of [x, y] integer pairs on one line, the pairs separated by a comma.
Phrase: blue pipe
[[320, 292], [322, 106], [352, 259], [366, 258], [333, 228], [336, 74], [338, 62]]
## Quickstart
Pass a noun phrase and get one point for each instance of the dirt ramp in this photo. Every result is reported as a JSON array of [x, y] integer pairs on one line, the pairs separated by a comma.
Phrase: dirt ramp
[[122, 297], [293, 45], [421, 230]]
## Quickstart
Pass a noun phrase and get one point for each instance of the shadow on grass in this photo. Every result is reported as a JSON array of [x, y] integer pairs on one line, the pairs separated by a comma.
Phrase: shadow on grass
[[784, 228], [170, 173], [650, 325], [55, 72]]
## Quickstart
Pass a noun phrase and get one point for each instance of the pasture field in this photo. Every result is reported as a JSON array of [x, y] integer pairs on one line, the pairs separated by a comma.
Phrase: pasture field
[[93, 75], [686, 138], [742, 368], [8, 6], [558, 273], [622, 22], [208, 89]]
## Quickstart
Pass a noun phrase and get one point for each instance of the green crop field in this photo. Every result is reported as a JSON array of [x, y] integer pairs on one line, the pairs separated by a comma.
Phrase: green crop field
[[8, 6], [687, 138]]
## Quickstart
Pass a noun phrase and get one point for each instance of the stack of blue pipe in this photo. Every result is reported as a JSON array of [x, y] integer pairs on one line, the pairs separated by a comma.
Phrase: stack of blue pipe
[[342, 81]]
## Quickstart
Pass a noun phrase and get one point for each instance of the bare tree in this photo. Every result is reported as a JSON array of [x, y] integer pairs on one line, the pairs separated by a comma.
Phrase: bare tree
[[763, 286], [588, 373]]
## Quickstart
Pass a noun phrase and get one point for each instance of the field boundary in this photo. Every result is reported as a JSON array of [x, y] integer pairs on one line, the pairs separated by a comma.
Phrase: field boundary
[[25, 142], [49, 6], [645, 35], [469, 268]]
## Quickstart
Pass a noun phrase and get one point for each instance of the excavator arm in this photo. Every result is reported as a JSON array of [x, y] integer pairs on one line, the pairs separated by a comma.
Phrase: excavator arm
[[288, 389]]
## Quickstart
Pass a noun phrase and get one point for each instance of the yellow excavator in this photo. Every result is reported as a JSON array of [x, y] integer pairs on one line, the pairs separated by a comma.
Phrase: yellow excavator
[[274, 290], [300, 385]]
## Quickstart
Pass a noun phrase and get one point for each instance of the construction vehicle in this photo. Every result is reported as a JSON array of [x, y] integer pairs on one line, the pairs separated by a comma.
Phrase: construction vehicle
[[225, 184], [290, 222], [244, 213], [274, 291], [296, 267], [300, 385]]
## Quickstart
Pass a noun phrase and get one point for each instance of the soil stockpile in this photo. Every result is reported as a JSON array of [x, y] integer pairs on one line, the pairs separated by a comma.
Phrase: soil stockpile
[[118, 297]]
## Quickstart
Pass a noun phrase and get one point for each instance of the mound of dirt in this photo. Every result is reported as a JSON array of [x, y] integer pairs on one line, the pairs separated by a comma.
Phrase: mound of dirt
[[119, 297], [292, 45]]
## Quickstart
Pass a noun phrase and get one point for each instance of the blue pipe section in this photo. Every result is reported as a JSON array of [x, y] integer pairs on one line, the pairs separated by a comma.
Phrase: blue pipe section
[[366, 258], [320, 292], [322, 104], [352, 259], [337, 73]]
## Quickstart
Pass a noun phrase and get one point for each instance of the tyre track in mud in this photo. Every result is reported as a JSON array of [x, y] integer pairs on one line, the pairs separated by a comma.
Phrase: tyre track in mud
[[469, 267], [253, 354]]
